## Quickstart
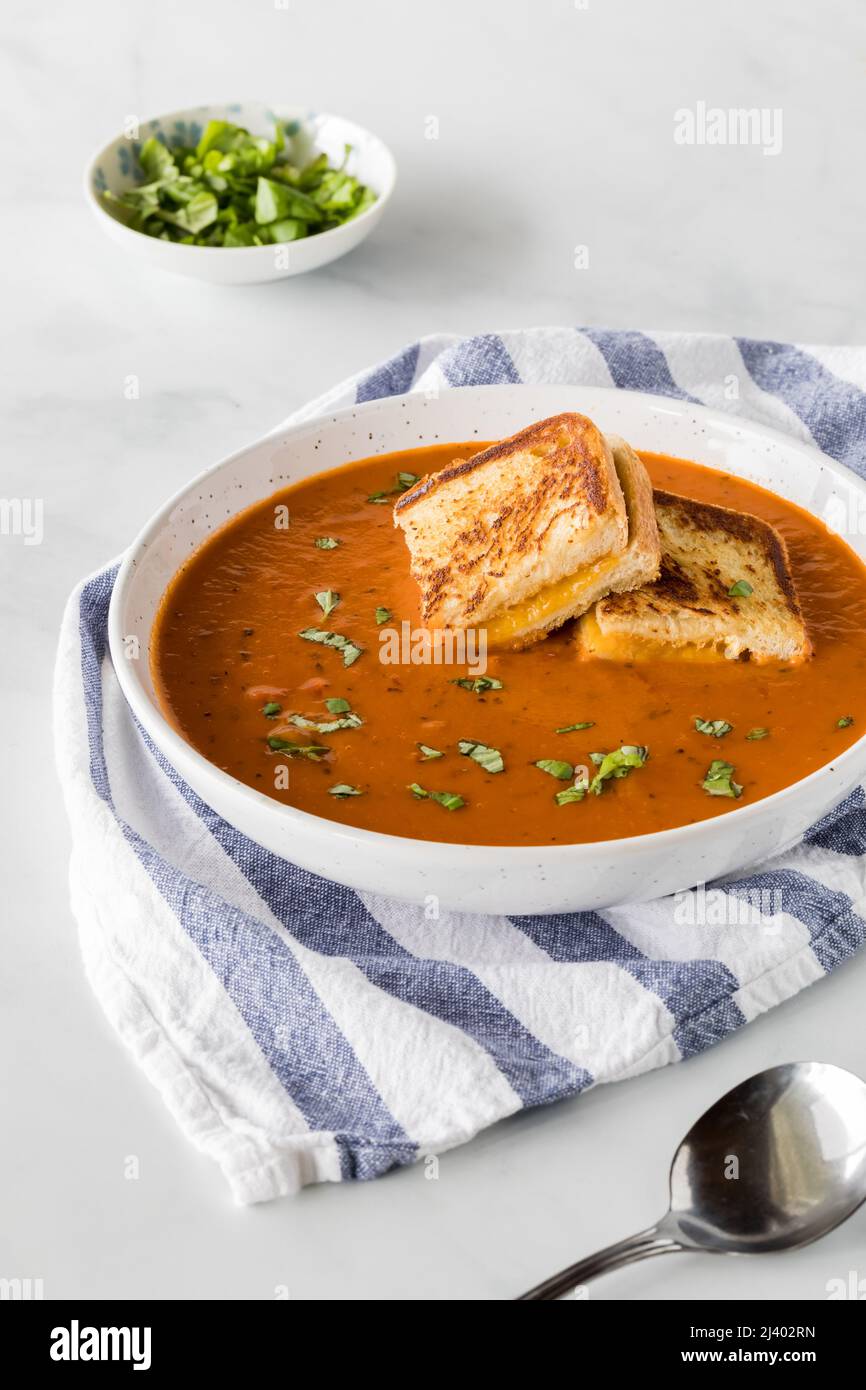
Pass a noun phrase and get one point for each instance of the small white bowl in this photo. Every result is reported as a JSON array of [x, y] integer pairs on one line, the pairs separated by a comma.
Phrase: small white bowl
[[483, 878], [116, 168]]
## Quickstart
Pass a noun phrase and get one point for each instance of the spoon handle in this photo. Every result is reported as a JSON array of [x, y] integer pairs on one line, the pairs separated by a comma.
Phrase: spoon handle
[[625, 1252]]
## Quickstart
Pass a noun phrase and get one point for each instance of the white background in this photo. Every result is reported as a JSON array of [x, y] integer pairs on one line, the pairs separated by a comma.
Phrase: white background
[[555, 130]]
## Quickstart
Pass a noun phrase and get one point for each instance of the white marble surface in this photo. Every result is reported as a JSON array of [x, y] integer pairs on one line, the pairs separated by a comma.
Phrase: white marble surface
[[555, 131]]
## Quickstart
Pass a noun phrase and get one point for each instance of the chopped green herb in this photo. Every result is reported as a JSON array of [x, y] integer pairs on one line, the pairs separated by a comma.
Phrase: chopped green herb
[[741, 589], [275, 202], [350, 651], [619, 763], [719, 780], [488, 758], [342, 790], [236, 189], [402, 483], [382, 616], [313, 751], [575, 728], [337, 706], [428, 754], [555, 768], [271, 709], [715, 728], [479, 684], [758, 733], [570, 794], [845, 722], [326, 543], [327, 601], [328, 726], [450, 800], [155, 159]]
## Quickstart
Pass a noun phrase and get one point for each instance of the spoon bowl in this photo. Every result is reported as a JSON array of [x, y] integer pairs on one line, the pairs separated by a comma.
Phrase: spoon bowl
[[776, 1163]]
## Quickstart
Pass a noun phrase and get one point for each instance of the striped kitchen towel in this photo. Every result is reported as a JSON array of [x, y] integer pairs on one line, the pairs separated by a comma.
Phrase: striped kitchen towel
[[300, 1031]]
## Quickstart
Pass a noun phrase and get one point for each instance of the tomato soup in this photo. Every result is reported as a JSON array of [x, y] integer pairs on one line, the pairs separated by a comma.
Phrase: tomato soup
[[236, 679]]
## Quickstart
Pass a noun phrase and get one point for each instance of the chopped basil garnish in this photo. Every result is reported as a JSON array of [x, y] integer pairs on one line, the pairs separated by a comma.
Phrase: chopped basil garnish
[[327, 601], [575, 728], [383, 615], [570, 794], [488, 758], [479, 684], [233, 188], [402, 483], [328, 726], [555, 768], [619, 763], [342, 790], [333, 639], [271, 709], [741, 589], [845, 722], [719, 780], [716, 728], [313, 751], [450, 800], [326, 543], [428, 754], [758, 733], [337, 706]]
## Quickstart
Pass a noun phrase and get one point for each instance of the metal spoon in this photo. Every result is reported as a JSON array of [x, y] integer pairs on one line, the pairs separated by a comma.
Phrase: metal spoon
[[776, 1163]]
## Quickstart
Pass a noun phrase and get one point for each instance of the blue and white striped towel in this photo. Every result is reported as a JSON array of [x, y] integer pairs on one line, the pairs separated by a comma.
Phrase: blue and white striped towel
[[300, 1031]]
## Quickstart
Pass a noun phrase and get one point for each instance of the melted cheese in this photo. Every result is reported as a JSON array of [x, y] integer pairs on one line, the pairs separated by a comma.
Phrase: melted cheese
[[537, 612], [614, 646]]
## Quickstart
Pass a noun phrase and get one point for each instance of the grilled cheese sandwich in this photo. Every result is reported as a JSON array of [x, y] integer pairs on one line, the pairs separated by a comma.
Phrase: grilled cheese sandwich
[[531, 532], [725, 592]]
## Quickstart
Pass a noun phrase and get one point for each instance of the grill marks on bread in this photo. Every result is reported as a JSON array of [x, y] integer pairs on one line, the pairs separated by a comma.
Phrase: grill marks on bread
[[705, 551], [489, 531]]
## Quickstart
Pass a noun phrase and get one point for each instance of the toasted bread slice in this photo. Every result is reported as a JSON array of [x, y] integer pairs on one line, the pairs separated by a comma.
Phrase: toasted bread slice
[[689, 612], [528, 622], [529, 532], [492, 530]]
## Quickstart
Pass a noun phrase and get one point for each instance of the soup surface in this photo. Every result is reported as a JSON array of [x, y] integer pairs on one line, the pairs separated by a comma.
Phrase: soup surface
[[226, 647]]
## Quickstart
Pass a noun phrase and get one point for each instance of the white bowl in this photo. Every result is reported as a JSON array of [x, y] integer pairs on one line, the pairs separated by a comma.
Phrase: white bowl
[[115, 167], [550, 878]]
